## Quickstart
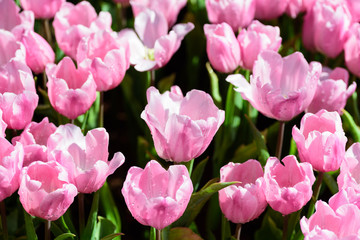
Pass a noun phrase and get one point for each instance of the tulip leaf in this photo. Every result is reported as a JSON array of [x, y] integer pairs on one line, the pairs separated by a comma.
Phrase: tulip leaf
[[180, 233], [90, 228], [165, 83], [198, 200], [214, 83], [268, 230], [350, 125], [245, 152], [65, 236], [105, 228], [198, 172], [29, 226], [331, 183], [112, 236]]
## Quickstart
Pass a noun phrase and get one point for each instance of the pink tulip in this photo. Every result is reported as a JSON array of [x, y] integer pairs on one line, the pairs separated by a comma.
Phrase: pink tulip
[[168, 8], [352, 50], [349, 176], [329, 224], [321, 140], [12, 20], [34, 139], [156, 46], [11, 160], [280, 94], [345, 196], [157, 197], [255, 39], [45, 191], [288, 187], [332, 92], [71, 91], [3, 125], [270, 9], [42, 8], [354, 7], [38, 51], [74, 22], [222, 47], [181, 127], [236, 13], [325, 27], [84, 157], [294, 7], [105, 57], [245, 201]]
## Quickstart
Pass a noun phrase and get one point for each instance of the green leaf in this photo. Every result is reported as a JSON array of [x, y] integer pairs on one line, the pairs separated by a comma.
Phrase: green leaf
[[198, 200], [225, 228], [350, 125], [29, 226], [65, 236], [198, 172], [165, 83], [105, 227], [214, 83], [90, 229], [112, 236], [245, 152], [181, 233], [331, 183], [268, 230]]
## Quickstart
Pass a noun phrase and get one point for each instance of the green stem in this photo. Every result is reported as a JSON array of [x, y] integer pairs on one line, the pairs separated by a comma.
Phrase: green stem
[[47, 229], [238, 231], [101, 110], [81, 212], [280, 140], [285, 227], [189, 165], [3, 220], [315, 194], [44, 81], [158, 234], [47, 31], [151, 77]]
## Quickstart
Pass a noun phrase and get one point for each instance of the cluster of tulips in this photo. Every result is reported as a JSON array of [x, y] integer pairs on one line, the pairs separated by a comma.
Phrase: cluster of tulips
[[58, 74]]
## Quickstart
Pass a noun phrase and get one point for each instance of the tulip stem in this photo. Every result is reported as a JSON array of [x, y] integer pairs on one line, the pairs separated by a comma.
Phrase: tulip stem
[[121, 16], [315, 194], [44, 80], [158, 234], [238, 231], [280, 140], [3, 220], [81, 212], [101, 110], [47, 31], [151, 77], [285, 226], [47, 229]]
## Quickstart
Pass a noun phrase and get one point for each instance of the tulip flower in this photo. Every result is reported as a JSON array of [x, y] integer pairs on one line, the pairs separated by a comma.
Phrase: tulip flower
[[73, 22], [280, 94], [354, 7], [245, 201], [288, 185], [222, 47], [13, 21], [294, 7], [71, 91], [349, 176], [168, 8], [321, 140], [332, 92], [157, 197], [255, 39], [45, 191], [42, 8], [84, 157], [3, 125], [34, 140], [325, 27], [345, 196], [352, 50], [104, 55], [156, 46], [181, 127], [11, 160], [270, 9], [327, 223], [236, 13]]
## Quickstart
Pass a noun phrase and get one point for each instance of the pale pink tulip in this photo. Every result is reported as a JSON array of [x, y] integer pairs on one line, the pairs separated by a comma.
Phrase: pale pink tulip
[[34, 139], [222, 47], [327, 223], [255, 39], [71, 91], [325, 27], [3, 125], [156, 46], [288, 185], [104, 55], [181, 127], [168, 8], [354, 7], [157, 197], [332, 91], [294, 7], [11, 160], [350, 169], [321, 140], [279, 88], [73, 22], [45, 191], [236, 13], [270, 9], [12, 20], [245, 201], [352, 50], [345, 196], [42, 8], [84, 157]]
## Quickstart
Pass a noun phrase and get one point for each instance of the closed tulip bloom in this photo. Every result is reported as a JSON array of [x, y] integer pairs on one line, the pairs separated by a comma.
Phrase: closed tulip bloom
[[45, 191], [236, 13], [352, 50], [42, 8], [71, 91], [3, 125], [181, 127], [222, 47], [349, 176], [294, 7], [12, 20], [73, 22], [288, 185], [332, 91], [157, 197], [279, 88], [270, 9], [245, 201], [255, 39], [168, 8], [325, 27], [34, 140], [104, 55], [327, 223], [11, 160], [84, 157], [321, 140], [345, 196], [354, 7]]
